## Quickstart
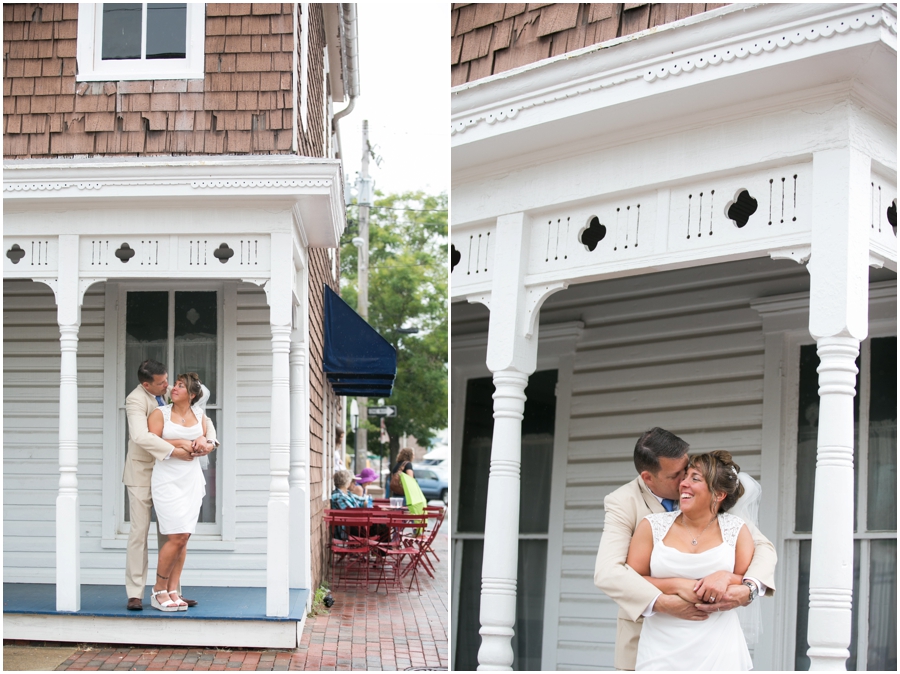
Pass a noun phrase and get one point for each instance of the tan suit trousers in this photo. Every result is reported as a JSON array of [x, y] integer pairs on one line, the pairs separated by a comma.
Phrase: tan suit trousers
[[136, 557]]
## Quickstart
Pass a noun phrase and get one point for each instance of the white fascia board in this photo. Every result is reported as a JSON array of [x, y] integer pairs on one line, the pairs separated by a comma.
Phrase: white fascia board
[[710, 47], [311, 187], [334, 39]]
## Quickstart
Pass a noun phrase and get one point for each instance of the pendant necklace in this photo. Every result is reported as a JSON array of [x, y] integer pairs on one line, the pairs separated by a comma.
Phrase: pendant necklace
[[693, 538]]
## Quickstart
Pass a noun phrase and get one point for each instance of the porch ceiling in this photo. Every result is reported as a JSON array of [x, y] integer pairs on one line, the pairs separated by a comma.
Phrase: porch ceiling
[[313, 189], [753, 58]]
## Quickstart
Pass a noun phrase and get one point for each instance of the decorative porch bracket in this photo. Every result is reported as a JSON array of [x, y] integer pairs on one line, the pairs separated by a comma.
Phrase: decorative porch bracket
[[511, 357], [279, 297], [838, 321]]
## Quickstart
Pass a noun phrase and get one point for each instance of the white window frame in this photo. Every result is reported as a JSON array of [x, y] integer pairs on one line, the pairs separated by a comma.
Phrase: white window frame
[[91, 68], [785, 327], [209, 536]]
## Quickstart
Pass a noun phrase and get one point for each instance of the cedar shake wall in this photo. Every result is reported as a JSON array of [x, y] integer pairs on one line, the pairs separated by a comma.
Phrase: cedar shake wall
[[312, 137], [242, 106], [319, 274], [487, 39]]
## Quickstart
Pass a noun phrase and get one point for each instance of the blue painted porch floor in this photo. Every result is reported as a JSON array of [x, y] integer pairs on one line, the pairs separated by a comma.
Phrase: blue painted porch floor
[[108, 601]]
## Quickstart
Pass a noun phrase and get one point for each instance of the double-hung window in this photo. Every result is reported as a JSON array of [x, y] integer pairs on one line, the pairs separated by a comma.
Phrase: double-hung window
[[140, 41]]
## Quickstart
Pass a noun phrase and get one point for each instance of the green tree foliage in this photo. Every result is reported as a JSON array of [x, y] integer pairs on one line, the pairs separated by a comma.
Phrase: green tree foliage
[[407, 288]]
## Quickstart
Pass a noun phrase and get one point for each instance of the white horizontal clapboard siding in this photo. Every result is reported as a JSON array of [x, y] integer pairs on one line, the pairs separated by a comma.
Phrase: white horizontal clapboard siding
[[31, 436], [31, 428], [681, 350]]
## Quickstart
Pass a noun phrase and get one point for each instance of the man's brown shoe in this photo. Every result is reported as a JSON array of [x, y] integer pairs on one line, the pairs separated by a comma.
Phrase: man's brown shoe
[[189, 602], [134, 604]]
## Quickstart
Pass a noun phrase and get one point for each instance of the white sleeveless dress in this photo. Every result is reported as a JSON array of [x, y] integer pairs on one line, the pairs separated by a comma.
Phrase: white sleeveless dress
[[670, 643], [177, 486]]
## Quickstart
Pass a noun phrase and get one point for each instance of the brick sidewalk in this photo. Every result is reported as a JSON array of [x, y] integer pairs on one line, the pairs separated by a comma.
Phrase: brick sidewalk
[[362, 631]]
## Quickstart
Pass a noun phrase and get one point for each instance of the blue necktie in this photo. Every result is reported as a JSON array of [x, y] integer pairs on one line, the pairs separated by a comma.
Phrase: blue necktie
[[160, 400], [668, 504]]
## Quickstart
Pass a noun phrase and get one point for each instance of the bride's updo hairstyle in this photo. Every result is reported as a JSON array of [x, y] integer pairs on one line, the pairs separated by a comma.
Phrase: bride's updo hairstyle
[[191, 381], [720, 473]]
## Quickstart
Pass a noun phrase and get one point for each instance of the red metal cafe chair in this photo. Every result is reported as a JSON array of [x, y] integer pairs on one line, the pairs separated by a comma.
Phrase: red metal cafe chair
[[399, 550], [349, 546]]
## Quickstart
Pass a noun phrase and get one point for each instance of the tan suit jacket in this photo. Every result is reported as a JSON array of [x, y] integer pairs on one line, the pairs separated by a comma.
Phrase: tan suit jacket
[[144, 448], [625, 508]]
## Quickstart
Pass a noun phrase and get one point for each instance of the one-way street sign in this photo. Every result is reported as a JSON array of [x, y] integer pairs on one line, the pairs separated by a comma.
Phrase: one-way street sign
[[383, 411]]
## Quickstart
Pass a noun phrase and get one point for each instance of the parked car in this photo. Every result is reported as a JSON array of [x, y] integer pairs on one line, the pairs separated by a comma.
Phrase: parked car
[[432, 482]]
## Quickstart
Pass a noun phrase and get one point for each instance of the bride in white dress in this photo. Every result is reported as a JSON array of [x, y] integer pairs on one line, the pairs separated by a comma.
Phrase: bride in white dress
[[674, 549], [177, 487]]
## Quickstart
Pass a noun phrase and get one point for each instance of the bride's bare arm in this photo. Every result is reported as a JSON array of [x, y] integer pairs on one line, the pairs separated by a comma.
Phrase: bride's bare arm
[[155, 424]]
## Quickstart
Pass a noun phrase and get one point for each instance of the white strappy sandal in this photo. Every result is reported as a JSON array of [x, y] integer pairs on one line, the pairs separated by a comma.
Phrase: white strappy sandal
[[168, 605]]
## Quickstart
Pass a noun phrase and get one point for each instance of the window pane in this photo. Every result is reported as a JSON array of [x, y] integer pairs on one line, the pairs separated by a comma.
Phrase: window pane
[[801, 661], [469, 604], [121, 31], [166, 30], [527, 642], [807, 431], [196, 328], [529, 627], [882, 477], [476, 456], [208, 507], [146, 331], [882, 652], [537, 453]]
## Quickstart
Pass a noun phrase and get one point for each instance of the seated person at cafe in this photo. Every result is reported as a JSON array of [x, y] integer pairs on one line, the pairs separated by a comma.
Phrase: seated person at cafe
[[342, 497]]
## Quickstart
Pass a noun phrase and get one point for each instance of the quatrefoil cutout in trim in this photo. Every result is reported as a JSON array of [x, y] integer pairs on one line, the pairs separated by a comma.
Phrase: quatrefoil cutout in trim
[[741, 208], [223, 253], [592, 234], [15, 253], [125, 252]]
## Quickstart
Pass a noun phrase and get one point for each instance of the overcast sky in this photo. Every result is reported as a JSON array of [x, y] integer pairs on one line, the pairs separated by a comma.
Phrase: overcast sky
[[405, 95]]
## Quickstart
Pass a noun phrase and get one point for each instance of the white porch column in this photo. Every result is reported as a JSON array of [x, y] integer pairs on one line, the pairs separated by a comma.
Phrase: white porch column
[[512, 357], [300, 572], [279, 295], [68, 523], [838, 321]]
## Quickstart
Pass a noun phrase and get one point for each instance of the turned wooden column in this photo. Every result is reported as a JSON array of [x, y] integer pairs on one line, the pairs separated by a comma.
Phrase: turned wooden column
[[512, 357], [838, 321]]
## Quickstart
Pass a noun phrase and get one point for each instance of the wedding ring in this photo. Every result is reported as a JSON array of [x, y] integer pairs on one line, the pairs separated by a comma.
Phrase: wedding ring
[[711, 599]]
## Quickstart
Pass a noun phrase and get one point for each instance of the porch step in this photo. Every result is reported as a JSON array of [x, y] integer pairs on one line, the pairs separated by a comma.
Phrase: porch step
[[224, 616]]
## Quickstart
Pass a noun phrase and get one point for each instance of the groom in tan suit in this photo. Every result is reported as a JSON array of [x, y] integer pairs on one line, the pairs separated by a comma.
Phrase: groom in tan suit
[[661, 460], [144, 449]]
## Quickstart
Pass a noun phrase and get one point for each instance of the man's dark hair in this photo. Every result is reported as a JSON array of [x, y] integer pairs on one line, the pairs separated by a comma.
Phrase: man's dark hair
[[655, 443], [149, 369]]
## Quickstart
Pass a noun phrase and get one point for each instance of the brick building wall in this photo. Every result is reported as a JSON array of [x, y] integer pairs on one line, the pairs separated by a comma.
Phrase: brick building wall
[[492, 38], [241, 106], [319, 274]]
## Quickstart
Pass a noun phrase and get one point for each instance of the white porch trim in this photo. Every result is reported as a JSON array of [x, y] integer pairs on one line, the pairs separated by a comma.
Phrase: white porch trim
[[254, 218]]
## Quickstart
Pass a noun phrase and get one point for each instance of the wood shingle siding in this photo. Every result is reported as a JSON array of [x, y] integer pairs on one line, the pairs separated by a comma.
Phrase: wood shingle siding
[[319, 274], [243, 104], [313, 136], [487, 38]]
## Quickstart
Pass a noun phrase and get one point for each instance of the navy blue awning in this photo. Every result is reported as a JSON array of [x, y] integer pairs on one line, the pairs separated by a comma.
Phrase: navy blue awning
[[357, 360]]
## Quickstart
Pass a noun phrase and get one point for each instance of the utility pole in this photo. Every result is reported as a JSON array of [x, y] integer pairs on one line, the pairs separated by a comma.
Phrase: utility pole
[[362, 274]]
